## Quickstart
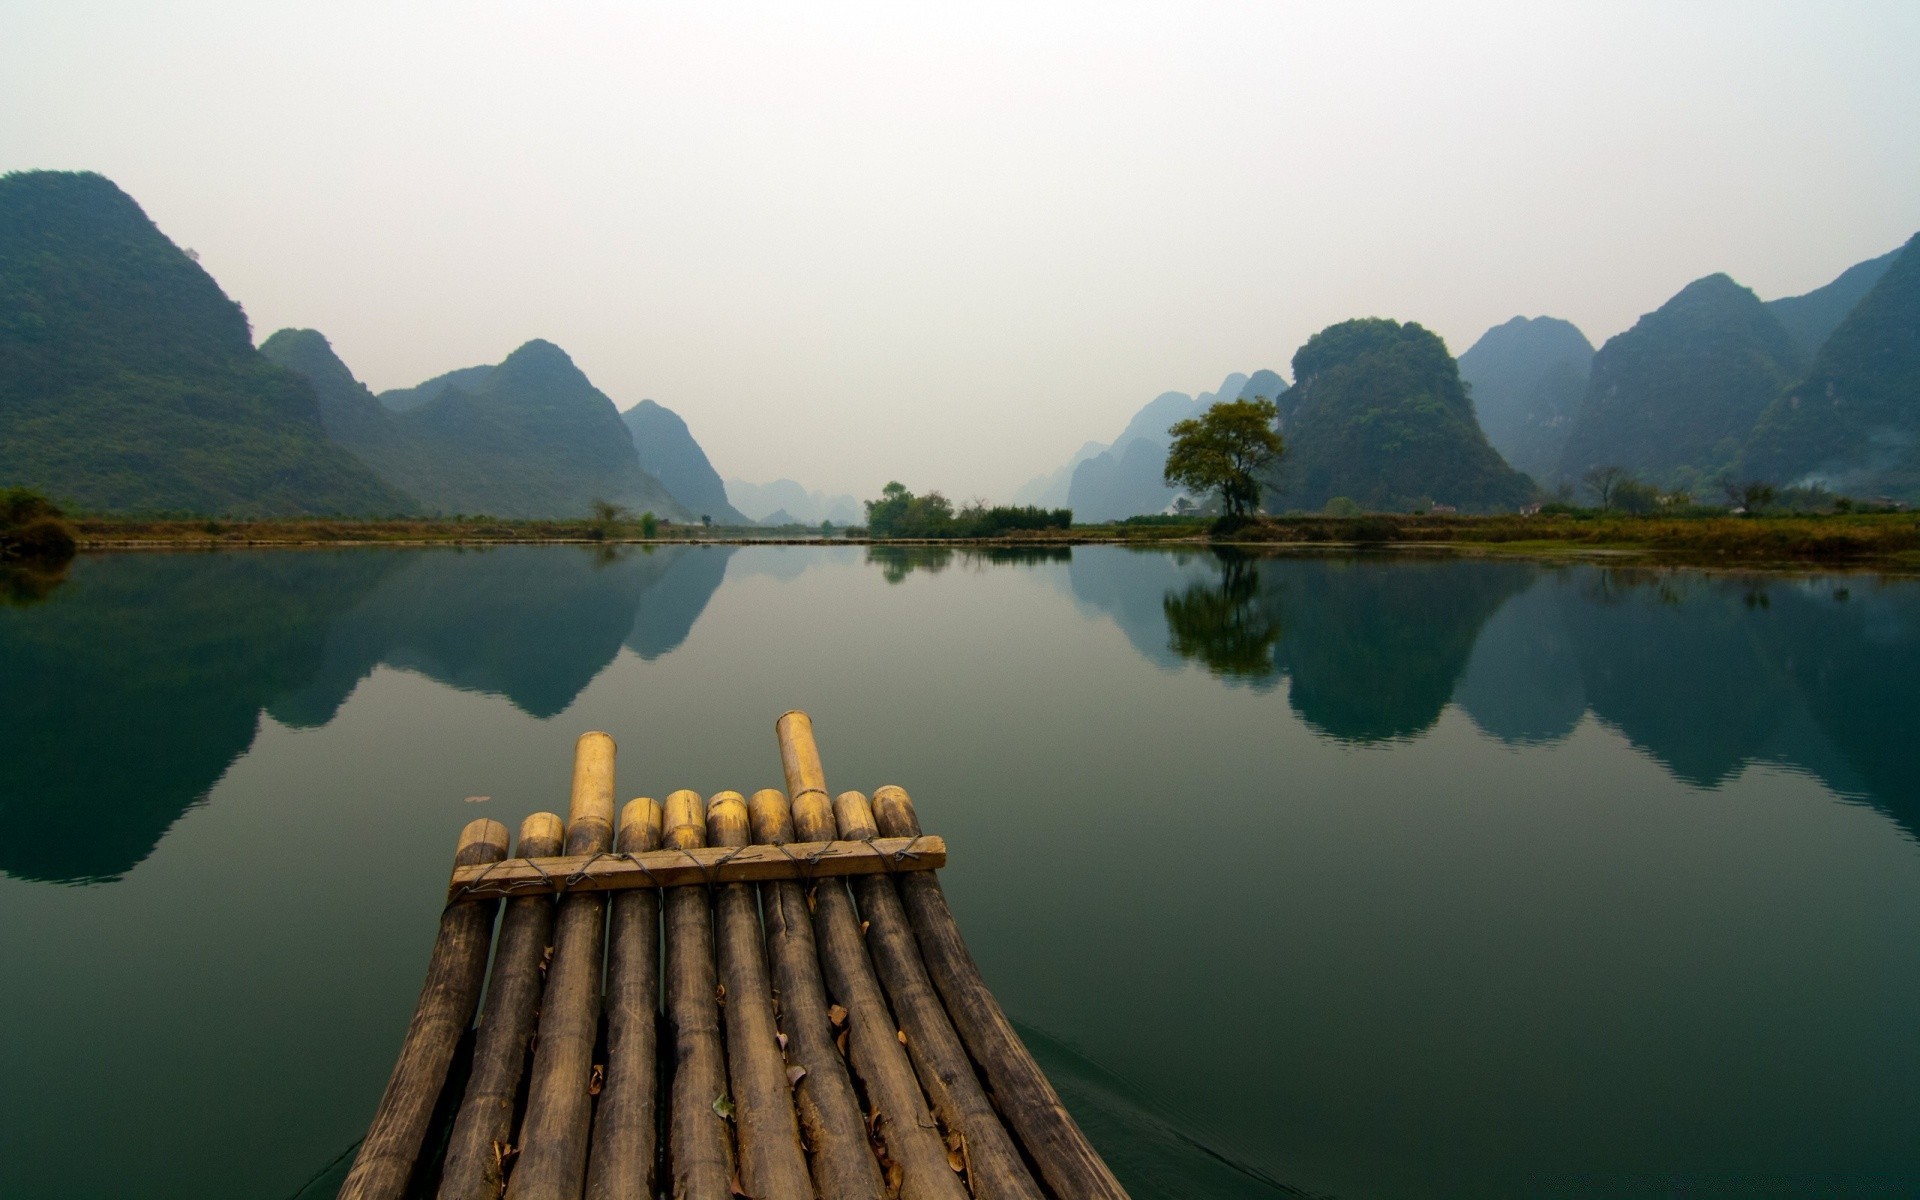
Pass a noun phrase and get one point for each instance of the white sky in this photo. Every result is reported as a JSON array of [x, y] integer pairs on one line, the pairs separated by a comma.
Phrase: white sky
[[949, 243]]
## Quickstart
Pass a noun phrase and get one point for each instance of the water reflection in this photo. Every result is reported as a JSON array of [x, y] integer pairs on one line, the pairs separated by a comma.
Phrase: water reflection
[[150, 672], [24, 585], [898, 562], [1705, 674], [146, 675]]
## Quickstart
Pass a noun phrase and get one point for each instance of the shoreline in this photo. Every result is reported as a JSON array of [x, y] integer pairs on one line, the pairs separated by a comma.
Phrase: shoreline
[[1882, 545]]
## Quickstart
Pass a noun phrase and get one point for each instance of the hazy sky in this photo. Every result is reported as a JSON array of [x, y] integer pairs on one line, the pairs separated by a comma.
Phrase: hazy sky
[[948, 243]]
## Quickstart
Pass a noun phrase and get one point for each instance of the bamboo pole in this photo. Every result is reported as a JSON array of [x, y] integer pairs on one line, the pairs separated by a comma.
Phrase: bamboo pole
[[1027, 1101], [829, 1112], [553, 1136], [920, 1168], [994, 1166], [483, 1129], [699, 1142], [455, 971], [626, 1123], [772, 1165]]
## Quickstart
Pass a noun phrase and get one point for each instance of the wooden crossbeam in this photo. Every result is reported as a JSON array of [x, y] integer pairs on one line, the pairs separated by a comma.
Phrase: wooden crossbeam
[[703, 865]]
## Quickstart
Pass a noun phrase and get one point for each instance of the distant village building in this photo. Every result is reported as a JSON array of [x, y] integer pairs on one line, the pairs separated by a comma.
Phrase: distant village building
[[1447, 509]]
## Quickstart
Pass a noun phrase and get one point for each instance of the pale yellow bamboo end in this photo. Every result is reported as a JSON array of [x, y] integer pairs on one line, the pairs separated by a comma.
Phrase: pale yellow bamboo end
[[640, 825], [542, 835], [590, 809], [727, 823], [772, 817], [685, 821], [800, 755], [483, 840], [854, 816]]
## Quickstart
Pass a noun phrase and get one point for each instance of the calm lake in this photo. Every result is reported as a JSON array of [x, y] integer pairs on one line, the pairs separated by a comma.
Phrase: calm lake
[[1361, 877]]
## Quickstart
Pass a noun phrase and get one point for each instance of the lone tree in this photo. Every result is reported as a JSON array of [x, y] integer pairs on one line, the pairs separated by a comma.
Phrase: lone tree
[[1224, 450], [1603, 482]]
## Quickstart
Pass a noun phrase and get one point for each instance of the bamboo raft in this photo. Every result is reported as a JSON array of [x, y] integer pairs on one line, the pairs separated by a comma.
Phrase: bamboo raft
[[762, 997]]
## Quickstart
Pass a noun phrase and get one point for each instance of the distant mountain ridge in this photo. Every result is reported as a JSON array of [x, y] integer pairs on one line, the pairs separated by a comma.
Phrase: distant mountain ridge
[[787, 502], [530, 437], [129, 381], [1676, 396], [1852, 424], [670, 454], [1526, 379], [1811, 318], [1127, 479]]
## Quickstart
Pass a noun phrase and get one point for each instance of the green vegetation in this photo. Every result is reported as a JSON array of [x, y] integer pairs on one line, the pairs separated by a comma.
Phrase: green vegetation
[[1853, 424], [129, 381], [1696, 535], [1226, 450], [33, 530], [898, 513], [531, 437], [1676, 396], [36, 544], [1378, 414]]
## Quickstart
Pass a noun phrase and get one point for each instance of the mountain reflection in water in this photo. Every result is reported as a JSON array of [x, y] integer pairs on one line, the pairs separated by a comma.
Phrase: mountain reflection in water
[[149, 673], [1705, 673]]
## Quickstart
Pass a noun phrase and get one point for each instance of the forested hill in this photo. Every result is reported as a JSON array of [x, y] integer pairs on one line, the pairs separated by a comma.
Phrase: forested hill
[[530, 437], [1377, 414], [129, 381], [1853, 424], [1812, 318], [670, 454], [1526, 379], [1676, 396]]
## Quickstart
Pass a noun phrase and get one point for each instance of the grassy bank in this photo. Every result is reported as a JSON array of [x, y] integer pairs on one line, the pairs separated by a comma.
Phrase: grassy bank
[[1881, 538], [1887, 539]]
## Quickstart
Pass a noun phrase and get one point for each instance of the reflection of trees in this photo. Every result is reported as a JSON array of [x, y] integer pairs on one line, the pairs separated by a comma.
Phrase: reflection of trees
[[1223, 625], [24, 585], [898, 562]]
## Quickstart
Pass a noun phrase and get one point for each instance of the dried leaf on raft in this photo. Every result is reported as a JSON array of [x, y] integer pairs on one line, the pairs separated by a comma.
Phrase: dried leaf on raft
[[795, 1074], [841, 1043], [837, 1015], [723, 1106], [902, 1035], [782, 1038], [720, 993], [597, 1079], [733, 1185]]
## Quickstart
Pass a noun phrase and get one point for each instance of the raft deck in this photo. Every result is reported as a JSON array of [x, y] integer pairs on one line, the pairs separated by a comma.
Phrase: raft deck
[[762, 997]]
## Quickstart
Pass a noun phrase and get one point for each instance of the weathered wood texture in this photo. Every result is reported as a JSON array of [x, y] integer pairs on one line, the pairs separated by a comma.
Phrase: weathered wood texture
[[700, 865], [772, 1165], [843, 1163], [483, 1127], [626, 1122], [919, 1165], [552, 1164], [1026, 1100], [993, 1163], [700, 1138], [455, 972]]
